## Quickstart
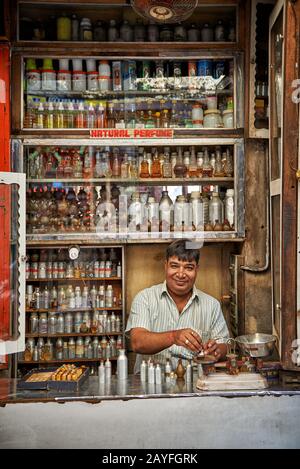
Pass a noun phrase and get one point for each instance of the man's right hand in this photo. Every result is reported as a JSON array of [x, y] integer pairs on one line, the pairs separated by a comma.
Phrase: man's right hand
[[189, 339]]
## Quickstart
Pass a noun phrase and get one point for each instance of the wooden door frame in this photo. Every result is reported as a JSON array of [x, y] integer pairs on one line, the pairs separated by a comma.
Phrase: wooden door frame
[[290, 137]]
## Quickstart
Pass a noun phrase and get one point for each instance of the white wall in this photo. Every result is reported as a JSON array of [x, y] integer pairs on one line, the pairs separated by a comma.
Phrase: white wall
[[192, 422]]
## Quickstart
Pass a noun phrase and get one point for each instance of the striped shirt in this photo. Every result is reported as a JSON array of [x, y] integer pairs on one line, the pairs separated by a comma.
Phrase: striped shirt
[[155, 310]]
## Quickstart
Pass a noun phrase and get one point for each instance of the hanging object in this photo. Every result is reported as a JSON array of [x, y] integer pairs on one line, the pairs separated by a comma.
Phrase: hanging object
[[164, 11]]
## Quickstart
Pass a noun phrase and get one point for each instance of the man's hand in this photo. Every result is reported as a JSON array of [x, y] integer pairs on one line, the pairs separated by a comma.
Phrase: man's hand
[[213, 348], [189, 339]]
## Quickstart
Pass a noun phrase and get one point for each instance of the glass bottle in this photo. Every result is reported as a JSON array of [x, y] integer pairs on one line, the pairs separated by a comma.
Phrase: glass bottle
[[112, 33], [144, 167], [70, 116], [58, 116], [180, 169], [116, 166], [139, 31], [166, 212], [165, 119], [167, 167], [207, 168], [150, 121], [156, 167], [157, 120], [219, 171], [111, 120], [125, 167], [216, 208], [126, 32], [228, 165], [99, 32], [192, 168]]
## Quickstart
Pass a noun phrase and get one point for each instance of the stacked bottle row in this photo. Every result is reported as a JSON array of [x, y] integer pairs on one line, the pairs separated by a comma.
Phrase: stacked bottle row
[[80, 348], [126, 75], [151, 211], [68, 297], [72, 270], [129, 163], [78, 323], [130, 114], [73, 28]]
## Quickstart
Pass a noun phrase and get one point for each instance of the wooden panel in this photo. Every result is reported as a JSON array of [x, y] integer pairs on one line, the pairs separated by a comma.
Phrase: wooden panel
[[16, 114], [145, 267], [289, 191], [5, 196]]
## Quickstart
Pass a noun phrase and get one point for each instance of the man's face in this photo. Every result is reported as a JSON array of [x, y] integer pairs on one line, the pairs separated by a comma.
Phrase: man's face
[[180, 275]]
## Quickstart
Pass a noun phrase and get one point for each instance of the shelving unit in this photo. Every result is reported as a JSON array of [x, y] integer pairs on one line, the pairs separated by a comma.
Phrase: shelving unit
[[56, 236]]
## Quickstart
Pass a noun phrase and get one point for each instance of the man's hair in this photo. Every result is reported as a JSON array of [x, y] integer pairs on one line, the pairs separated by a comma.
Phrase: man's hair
[[181, 250]]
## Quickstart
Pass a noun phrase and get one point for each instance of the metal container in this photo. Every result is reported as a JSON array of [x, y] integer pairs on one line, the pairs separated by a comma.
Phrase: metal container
[[256, 345]]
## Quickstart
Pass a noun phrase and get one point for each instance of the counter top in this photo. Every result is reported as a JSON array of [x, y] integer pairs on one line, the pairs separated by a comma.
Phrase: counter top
[[132, 388]]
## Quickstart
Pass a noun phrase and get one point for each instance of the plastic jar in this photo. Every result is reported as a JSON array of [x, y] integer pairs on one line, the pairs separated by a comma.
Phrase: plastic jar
[[64, 80], [212, 118], [104, 75], [197, 115], [48, 80], [228, 119], [63, 24], [33, 80], [92, 81], [79, 81], [77, 65]]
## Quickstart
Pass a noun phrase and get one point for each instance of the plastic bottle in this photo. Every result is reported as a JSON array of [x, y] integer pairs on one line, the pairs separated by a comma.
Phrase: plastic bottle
[[151, 373], [158, 374]]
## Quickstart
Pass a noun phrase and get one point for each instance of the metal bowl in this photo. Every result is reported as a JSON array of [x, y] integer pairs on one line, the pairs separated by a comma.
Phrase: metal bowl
[[256, 345]]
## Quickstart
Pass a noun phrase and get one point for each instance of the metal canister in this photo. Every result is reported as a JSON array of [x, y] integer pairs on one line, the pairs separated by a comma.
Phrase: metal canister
[[204, 67]]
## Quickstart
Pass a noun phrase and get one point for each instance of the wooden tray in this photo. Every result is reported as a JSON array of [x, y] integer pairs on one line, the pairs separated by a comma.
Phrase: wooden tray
[[223, 382], [49, 384]]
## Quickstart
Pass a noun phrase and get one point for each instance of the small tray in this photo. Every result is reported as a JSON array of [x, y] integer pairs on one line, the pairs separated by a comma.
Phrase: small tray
[[49, 384]]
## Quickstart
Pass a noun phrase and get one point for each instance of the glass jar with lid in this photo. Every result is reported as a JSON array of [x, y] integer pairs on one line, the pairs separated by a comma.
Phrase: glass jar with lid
[[228, 118], [212, 118], [85, 30], [166, 33]]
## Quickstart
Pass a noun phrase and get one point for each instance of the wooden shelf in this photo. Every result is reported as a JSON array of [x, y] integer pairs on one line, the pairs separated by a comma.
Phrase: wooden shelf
[[141, 181], [83, 279], [68, 310], [74, 334], [91, 241], [124, 49], [67, 360], [38, 134]]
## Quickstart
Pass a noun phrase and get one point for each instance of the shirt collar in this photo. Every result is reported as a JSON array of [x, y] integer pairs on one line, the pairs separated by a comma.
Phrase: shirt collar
[[164, 289]]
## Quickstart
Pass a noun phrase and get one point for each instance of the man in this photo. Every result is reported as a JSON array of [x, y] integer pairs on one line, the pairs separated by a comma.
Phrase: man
[[174, 318]]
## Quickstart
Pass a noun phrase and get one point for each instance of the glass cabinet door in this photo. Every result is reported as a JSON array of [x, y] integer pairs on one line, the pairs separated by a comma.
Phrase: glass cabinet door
[[276, 60], [12, 267]]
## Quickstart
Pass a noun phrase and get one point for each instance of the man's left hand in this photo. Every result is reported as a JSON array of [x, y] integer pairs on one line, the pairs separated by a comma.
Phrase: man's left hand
[[212, 348]]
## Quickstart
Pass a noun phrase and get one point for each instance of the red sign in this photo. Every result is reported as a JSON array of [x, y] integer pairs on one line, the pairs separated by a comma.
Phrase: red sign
[[131, 133]]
